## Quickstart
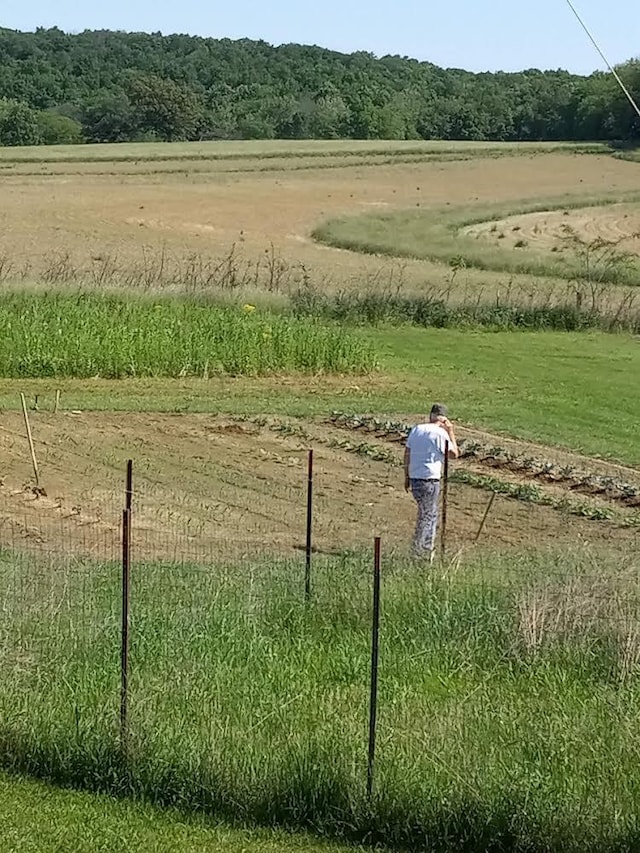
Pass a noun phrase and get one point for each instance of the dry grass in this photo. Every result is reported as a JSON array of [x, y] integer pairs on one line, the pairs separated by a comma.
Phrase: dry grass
[[576, 608], [93, 223]]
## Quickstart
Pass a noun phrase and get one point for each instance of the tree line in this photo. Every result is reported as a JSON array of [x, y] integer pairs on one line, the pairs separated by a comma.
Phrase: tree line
[[115, 87]]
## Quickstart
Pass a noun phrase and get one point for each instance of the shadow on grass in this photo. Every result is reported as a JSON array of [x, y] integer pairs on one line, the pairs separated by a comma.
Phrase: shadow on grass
[[308, 800]]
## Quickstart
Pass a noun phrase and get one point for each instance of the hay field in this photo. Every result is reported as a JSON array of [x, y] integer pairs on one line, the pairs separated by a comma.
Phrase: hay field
[[548, 230], [151, 217]]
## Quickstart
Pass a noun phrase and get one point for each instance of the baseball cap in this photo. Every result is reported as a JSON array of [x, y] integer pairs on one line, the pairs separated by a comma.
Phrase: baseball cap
[[438, 410]]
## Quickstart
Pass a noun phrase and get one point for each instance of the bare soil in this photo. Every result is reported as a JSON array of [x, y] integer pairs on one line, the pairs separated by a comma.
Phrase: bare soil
[[208, 488]]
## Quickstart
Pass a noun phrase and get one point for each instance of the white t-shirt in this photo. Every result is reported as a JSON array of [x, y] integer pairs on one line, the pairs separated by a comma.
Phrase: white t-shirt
[[427, 443]]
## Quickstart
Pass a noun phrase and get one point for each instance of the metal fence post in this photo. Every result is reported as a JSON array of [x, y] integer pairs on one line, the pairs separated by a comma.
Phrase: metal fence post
[[445, 502], [124, 640], [126, 592], [307, 573], [375, 648], [129, 488]]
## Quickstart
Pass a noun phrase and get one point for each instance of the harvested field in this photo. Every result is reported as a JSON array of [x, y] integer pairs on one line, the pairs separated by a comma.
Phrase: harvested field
[[552, 230], [120, 225]]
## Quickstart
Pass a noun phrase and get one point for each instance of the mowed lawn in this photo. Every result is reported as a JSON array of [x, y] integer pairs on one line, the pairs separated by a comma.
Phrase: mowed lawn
[[575, 390], [578, 391], [37, 818]]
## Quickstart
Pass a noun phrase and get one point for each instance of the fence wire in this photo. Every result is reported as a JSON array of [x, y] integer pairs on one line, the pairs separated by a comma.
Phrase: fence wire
[[238, 684]]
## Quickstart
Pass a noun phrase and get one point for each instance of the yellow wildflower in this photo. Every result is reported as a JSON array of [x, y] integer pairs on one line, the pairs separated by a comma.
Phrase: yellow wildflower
[[248, 309]]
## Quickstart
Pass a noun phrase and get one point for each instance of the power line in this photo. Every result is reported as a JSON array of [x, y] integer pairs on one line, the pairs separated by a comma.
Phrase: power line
[[630, 97]]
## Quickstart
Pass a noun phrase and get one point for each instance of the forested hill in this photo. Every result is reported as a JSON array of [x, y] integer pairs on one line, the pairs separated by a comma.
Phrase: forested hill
[[114, 86]]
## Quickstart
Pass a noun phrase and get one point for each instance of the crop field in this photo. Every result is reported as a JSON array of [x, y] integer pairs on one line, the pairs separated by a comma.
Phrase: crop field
[[210, 487], [213, 311], [208, 216]]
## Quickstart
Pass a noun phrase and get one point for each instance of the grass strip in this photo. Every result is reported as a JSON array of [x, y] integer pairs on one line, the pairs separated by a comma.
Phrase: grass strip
[[221, 151], [437, 235], [104, 335]]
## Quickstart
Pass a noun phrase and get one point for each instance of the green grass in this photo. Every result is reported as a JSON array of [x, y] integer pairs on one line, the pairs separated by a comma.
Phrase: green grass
[[508, 696], [437, 235], [193, 151], [632, 154], [574, 390], [38, 818], [88, 334], [430, 309]]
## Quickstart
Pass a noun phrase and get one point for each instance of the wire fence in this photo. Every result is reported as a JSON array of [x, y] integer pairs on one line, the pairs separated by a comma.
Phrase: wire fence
[[211, 661]]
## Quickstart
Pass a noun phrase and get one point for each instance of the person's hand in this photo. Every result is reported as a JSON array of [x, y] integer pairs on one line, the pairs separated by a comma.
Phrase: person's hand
[[446, 424]]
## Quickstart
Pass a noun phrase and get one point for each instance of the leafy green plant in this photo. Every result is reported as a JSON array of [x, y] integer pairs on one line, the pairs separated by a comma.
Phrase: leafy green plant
[[469, 449]]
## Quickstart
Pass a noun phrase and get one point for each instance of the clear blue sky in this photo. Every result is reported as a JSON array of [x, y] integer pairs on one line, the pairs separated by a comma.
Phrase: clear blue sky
[[473, 34]]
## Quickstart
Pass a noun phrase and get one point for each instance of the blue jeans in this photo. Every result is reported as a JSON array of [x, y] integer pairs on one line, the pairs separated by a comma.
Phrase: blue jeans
[[426, 494]]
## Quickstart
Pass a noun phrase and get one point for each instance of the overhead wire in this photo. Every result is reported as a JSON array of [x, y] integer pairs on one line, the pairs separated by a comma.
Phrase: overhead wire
[[592, 38]]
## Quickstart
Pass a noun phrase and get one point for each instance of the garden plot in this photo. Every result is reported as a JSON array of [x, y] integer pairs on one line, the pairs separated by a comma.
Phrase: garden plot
[[209, 487]]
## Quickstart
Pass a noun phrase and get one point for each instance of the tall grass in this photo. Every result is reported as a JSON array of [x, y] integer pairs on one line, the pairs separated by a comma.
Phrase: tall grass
[[435, 308], [439, 235], [371, 308], [111, 336], [508, 703]]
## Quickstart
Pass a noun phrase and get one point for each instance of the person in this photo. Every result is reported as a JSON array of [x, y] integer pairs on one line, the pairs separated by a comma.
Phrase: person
[[423, 468]]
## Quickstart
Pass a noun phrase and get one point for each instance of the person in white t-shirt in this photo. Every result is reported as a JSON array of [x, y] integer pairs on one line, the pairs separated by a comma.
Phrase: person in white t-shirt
[[423, 468]]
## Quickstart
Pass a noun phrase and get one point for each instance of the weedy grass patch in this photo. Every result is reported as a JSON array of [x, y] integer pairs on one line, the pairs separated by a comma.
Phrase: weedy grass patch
[[437, 310], [508, 695], [85, 335]]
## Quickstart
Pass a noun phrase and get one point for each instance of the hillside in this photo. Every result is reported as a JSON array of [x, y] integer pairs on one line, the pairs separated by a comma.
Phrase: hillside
[[115, 86]]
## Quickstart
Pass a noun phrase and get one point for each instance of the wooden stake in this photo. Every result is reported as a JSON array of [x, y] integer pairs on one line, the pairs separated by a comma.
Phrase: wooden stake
[[486, 516], [39, 490], [57, 405]]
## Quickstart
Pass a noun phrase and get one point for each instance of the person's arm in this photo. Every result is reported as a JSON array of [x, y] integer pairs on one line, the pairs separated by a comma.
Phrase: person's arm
[[407, 460], [447, 426], [407, 463]]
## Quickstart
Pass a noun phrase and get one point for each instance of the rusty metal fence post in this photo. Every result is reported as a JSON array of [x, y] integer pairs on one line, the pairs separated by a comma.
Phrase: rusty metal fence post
[[375, 650], [445, 502], [309, 545], [126, 592]]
